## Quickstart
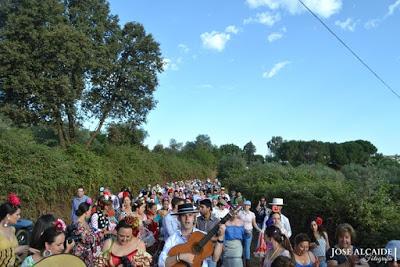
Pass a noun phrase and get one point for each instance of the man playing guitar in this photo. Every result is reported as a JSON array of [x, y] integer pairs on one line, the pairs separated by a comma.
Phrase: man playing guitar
[[187, 218]]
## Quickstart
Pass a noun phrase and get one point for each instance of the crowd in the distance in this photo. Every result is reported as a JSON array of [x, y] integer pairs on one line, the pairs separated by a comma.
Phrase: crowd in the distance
[[155, 226]]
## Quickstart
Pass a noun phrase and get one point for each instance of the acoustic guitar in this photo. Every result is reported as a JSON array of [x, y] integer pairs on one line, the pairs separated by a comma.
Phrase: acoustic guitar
[[199, 244], [61, 260]]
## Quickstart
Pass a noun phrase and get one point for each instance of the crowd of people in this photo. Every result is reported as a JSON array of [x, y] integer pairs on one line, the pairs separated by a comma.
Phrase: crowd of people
[[192, 222]]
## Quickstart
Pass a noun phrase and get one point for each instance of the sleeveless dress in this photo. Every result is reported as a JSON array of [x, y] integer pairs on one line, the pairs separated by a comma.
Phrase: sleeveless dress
[[7, 251], [139, 258], [233, 248], [320, 251], [309, 264]]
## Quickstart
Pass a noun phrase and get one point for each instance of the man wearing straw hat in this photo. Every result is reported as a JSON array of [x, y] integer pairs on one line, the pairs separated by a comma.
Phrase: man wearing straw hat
[[187, 218], [276, 206]]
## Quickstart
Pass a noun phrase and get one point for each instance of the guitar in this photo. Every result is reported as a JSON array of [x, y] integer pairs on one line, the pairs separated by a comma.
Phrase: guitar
[[199, 244]]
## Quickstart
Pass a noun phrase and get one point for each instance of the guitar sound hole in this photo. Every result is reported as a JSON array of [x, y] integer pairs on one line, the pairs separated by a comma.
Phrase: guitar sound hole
[[197, 248]]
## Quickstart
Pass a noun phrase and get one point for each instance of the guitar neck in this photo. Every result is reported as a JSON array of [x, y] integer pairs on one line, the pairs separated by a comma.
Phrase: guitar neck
[[214, 230]]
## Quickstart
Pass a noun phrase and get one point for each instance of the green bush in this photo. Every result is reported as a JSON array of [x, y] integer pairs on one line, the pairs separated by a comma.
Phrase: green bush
[[359, 195], [46, 177]]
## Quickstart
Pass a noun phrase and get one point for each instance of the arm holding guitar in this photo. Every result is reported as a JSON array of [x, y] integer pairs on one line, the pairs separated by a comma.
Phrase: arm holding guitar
[[186, 257], [220, 243]]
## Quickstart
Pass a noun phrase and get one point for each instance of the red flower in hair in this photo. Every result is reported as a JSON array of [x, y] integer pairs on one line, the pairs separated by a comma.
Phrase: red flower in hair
[[125, 194], [13, 199], [319, 221], [60, 225]]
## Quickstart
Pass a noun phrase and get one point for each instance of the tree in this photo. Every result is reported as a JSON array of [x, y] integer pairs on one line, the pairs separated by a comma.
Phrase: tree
[[125, 134], [48, 49], [174, 145], [39, 49], [274, 144], [93, 18], [230, 149], [159, 148], [249, 149], [204, 141], [123, 89], [229, 165]]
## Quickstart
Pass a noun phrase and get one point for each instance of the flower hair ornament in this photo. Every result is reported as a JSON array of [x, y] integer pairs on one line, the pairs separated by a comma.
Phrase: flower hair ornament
[[132, 221], [107, 196], [14, 200], [60, 225], [319, 221], [126, 194], [89, 201]]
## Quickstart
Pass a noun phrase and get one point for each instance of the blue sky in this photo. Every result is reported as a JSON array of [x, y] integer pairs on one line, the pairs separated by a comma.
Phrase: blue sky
[[247, 70]]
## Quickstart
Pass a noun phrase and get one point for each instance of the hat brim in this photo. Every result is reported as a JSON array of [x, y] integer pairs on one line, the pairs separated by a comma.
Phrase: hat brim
[[275, 204], [185, 212]]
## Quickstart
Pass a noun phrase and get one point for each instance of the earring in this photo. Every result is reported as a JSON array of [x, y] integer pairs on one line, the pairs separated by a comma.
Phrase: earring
[[6, 223], [46, 253]]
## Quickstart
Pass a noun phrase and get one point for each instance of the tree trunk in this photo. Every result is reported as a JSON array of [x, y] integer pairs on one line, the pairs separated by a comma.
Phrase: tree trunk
[[60, 132], [70, 110], [97, 131]]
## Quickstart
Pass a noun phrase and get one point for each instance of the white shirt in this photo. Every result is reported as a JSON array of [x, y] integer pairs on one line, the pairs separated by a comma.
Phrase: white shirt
[[247, 218], [170, 225], [175, 239], [219, 214]]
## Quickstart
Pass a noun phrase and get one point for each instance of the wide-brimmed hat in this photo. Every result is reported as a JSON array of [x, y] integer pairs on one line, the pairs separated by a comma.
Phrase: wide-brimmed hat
[[277, 202], [185, 209]]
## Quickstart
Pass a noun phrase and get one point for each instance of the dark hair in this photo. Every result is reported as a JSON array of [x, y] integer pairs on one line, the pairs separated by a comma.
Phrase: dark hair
[[301, 238], [276, 234], [138, 203], [282, 261], [81, 186], [102, 202], [150, 205], [124, 223], [49, 236], [83, 208], [321, 230], [8, 209], [175, 201], [42, 223]]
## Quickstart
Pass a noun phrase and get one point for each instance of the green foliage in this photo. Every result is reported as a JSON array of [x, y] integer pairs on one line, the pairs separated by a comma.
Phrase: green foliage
[[201, 150], [230, 165], [125, 134], [312, 152], [46, 177], [361, 196], [249, 150], [60, 58]]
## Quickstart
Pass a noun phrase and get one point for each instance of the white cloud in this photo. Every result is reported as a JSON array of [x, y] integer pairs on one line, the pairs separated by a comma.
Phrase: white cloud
[[348, 25], [232, 29], [392, 8], [215, 40], [169, 65], [184, 48], [275, 69], [265, 18], [373, 23], [324, 8], [274, 36]]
